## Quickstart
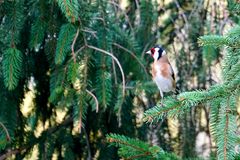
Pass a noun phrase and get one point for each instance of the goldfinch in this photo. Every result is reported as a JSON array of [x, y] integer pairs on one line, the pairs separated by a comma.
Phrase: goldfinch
[[162, 72]]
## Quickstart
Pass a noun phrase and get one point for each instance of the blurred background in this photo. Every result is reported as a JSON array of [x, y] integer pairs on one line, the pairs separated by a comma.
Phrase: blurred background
[[63, 93]]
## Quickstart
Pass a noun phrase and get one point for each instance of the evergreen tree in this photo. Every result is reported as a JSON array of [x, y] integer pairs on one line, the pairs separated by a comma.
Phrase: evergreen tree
[[81, 65], [222, 98], [75, 57]]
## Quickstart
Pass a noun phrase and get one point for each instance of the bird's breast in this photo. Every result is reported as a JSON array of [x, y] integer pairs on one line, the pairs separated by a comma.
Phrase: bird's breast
[[163, 83], [162, 77]]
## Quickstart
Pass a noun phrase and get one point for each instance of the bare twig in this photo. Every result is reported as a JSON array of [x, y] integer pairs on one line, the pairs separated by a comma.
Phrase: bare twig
[[84, 39], [90, 31], [116, 60], [49, 131], [177, 31], [9, 153], [121, 70], [6, 131], [80, 49], [88, 144], [98, 18], [224, 22], [174, 50], [84, 46], [196, 8], [115, 7], [73, 44], [145, 48], [95, 99], [126, 16], [80, 119], [182, 13], [212, 19], [133, 55], [114, 72], [137, 4]]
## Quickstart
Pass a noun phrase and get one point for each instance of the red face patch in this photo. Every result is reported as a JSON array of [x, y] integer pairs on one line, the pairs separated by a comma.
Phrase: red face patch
[[152, 51]]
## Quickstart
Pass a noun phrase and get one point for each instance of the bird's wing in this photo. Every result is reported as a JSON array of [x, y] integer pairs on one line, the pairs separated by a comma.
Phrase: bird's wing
[[172, 72], [164, 68], [173, 76]]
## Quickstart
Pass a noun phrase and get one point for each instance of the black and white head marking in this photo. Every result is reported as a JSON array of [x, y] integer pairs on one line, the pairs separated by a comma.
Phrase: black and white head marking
[[157, 52]]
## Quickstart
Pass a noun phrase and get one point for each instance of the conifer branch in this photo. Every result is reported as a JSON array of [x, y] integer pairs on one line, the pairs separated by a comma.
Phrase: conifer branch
[[225, 136], [73, 44], [133, 148], [70, 8], [230, 39], [95, 99], [12, 64], [225, 130], [90, 31], [138, 156], [118, 105], [80, 119], [212, 40], [182, 13], [80, 111], [66, 36], [80, 49], [174, 107], [114, 72], [12, 45], [88, 144], [118, 63], [133, 55], [37, 33], [6, 131], [10, 152], [114, 138], [61, 82], [159, 112], [126, 16], [36, 140]]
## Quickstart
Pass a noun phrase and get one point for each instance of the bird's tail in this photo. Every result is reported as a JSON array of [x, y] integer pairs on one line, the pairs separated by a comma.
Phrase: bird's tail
[[177, 90]]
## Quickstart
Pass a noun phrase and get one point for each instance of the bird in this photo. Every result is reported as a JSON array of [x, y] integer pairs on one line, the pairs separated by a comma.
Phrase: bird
[[162, 71]]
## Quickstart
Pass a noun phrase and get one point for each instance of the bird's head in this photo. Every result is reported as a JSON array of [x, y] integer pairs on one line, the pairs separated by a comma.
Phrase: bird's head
[[156, 52]]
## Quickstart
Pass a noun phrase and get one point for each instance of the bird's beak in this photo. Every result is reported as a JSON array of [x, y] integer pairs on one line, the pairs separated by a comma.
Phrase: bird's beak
[[148, 52]]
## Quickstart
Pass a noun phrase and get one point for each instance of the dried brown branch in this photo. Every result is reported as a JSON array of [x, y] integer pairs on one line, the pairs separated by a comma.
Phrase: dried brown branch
[[95, 99], [49, 131], [114, 72], [80, 49], [6, 131], [180, 35], [88, 144], [182, 13], [73, 44], [98, 18], [145, 48], [87, 30], [133, 55], [126, 16], [137, 4], [10, 152], [118, 63]]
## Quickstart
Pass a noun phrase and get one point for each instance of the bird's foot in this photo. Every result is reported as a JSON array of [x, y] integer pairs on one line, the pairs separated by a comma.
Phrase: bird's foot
[[161, 103]]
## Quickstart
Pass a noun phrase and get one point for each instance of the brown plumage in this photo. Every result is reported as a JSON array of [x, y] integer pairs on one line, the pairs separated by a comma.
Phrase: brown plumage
[[162, 72]]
